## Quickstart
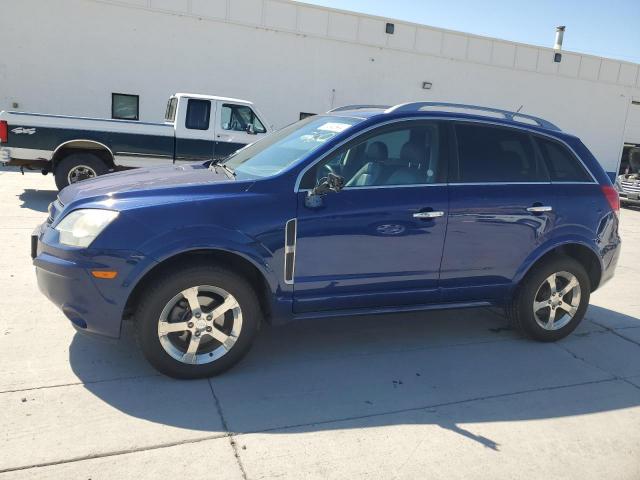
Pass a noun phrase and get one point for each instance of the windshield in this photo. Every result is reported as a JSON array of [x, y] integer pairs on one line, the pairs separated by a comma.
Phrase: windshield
[[283, 148]]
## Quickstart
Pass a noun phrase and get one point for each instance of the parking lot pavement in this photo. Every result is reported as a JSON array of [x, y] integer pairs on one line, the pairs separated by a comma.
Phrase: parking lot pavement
[[439, 395]]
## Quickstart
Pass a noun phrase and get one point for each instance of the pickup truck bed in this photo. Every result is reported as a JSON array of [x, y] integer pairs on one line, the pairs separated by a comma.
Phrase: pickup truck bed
[[38, 137]]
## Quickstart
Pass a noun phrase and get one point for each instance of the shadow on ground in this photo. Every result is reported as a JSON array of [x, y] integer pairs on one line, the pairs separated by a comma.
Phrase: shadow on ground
[[37, 200], [443, 368]]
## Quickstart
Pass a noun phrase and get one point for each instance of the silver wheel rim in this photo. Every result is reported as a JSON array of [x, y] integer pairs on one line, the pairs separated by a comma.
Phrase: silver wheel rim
[[80, 172], [200, 324], [557, 300]]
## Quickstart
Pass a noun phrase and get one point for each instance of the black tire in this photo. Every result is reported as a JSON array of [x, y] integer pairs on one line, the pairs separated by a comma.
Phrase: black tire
[[74, 160], [160, 293], [520, 310]]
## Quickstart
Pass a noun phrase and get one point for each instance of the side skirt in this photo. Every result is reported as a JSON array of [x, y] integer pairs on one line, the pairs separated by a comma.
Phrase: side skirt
[[385, 310]]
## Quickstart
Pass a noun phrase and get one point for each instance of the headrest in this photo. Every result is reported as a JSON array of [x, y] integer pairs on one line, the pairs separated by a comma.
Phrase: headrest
[[377, 152], [412, 153]]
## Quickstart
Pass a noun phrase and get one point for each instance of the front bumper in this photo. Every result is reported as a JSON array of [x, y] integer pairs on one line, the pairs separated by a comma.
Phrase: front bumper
[[64, 276], [628, 200]]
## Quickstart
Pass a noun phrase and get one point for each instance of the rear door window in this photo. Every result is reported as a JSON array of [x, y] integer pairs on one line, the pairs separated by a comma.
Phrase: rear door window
[[563, 165], [198, 114], [488, 154]]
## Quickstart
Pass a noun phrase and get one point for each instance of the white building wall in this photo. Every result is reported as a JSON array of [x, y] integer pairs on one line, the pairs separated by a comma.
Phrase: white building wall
[[68, 57]]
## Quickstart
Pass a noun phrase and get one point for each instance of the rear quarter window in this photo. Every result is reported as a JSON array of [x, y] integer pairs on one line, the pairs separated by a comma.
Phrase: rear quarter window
[[563, 164]]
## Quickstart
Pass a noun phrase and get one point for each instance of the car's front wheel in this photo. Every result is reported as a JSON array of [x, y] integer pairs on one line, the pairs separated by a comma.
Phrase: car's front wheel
[[552, 300], [197, 322]]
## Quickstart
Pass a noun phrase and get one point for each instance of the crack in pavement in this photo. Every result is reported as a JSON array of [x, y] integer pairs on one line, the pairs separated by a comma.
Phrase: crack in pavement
[[606, 330], [229, 435], [113, 453], [232, 436], [75, 384]]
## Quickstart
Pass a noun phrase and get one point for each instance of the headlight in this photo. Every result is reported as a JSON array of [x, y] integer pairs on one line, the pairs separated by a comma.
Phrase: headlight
[[81, 227]]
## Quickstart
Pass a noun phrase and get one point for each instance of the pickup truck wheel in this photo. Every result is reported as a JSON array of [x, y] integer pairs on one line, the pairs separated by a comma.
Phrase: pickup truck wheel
[[197, 322], [77, 167], [552, 300]]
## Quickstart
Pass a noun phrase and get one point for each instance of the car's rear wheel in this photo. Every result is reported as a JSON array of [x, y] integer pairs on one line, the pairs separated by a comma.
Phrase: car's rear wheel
[[552, 300], [197, 322], [77, 167]]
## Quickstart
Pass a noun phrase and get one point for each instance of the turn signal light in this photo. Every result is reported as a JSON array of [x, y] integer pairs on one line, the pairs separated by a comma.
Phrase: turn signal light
[[4, 135], [104, 274]]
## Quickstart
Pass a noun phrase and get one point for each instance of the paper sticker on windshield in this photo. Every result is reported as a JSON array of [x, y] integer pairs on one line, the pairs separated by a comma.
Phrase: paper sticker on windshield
[[334, 127]]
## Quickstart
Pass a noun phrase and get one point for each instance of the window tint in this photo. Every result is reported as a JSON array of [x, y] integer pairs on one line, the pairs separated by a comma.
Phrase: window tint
[[400, 155], [125, 107], [198, 113], [564, 166], [239, 118], [493, 154]]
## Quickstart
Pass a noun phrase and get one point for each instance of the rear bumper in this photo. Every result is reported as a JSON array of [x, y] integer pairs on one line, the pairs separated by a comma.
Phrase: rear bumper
[[92, 305], [8, 158]]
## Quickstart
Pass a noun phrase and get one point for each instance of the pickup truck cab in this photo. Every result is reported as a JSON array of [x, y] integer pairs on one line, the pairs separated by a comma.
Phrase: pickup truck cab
[[196, 128], [357, 211]]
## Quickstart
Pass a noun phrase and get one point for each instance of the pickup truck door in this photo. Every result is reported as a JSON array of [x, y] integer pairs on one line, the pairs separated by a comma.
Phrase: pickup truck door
[[195, 130], [237, 125]]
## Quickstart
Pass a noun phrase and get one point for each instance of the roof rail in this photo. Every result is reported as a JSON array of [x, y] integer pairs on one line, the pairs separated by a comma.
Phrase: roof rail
[[358, 107], [513, 116]]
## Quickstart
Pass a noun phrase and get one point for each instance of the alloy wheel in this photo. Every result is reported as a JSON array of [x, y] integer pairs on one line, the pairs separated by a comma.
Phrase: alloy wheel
[[557, 300], [200, 324]]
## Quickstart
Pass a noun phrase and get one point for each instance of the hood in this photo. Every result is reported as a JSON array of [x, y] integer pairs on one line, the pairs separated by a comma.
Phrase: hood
[[143, 180]]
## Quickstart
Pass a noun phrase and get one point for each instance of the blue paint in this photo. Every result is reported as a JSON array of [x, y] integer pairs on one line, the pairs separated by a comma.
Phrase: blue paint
[[361, 252]]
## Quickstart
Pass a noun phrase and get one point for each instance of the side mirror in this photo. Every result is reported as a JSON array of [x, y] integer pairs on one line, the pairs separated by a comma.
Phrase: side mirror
[[251, 130], [330, 183]]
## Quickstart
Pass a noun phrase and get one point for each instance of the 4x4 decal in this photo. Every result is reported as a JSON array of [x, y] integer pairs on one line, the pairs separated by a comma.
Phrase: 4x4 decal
[[20, 130]]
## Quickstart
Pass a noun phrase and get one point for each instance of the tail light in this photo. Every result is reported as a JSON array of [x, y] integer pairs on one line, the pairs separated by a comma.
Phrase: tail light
[[611, 194], [4, 135]]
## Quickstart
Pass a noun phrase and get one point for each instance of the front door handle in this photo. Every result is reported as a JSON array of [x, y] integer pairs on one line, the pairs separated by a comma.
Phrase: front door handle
[[540, 209], [427, 215]]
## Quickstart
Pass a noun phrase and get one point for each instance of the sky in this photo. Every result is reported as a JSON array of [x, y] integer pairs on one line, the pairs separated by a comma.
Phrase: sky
[[608, 28]]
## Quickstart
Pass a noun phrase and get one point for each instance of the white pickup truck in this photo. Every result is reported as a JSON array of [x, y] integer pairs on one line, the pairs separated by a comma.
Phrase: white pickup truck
[[196, 128]]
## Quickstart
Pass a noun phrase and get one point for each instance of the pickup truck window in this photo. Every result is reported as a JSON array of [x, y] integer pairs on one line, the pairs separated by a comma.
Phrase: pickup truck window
[[285, 147], [198, 114], [125, 107], [239, 117], [170, 115]]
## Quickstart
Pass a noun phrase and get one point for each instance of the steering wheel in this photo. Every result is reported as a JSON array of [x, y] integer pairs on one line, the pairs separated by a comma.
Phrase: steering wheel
[[324, 171]]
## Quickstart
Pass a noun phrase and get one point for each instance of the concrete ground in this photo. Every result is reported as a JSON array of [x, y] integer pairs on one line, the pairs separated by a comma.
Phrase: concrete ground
[[439, 395]]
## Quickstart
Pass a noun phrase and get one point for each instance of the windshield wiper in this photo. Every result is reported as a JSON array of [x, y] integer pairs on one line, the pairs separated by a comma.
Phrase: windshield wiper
[[218, 163]]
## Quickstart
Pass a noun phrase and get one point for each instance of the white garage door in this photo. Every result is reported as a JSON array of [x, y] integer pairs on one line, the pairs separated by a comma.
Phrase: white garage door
[[632, 132]]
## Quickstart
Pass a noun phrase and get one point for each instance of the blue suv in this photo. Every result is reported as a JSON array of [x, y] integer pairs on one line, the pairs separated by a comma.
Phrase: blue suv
[[362, 210]]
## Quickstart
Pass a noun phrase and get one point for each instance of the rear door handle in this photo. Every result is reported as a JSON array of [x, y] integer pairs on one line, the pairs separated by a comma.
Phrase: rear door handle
[[426, 215], [540, 209]]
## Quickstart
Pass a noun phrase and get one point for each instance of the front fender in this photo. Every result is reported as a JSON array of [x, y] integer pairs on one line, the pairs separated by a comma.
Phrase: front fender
[[172, 243]]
